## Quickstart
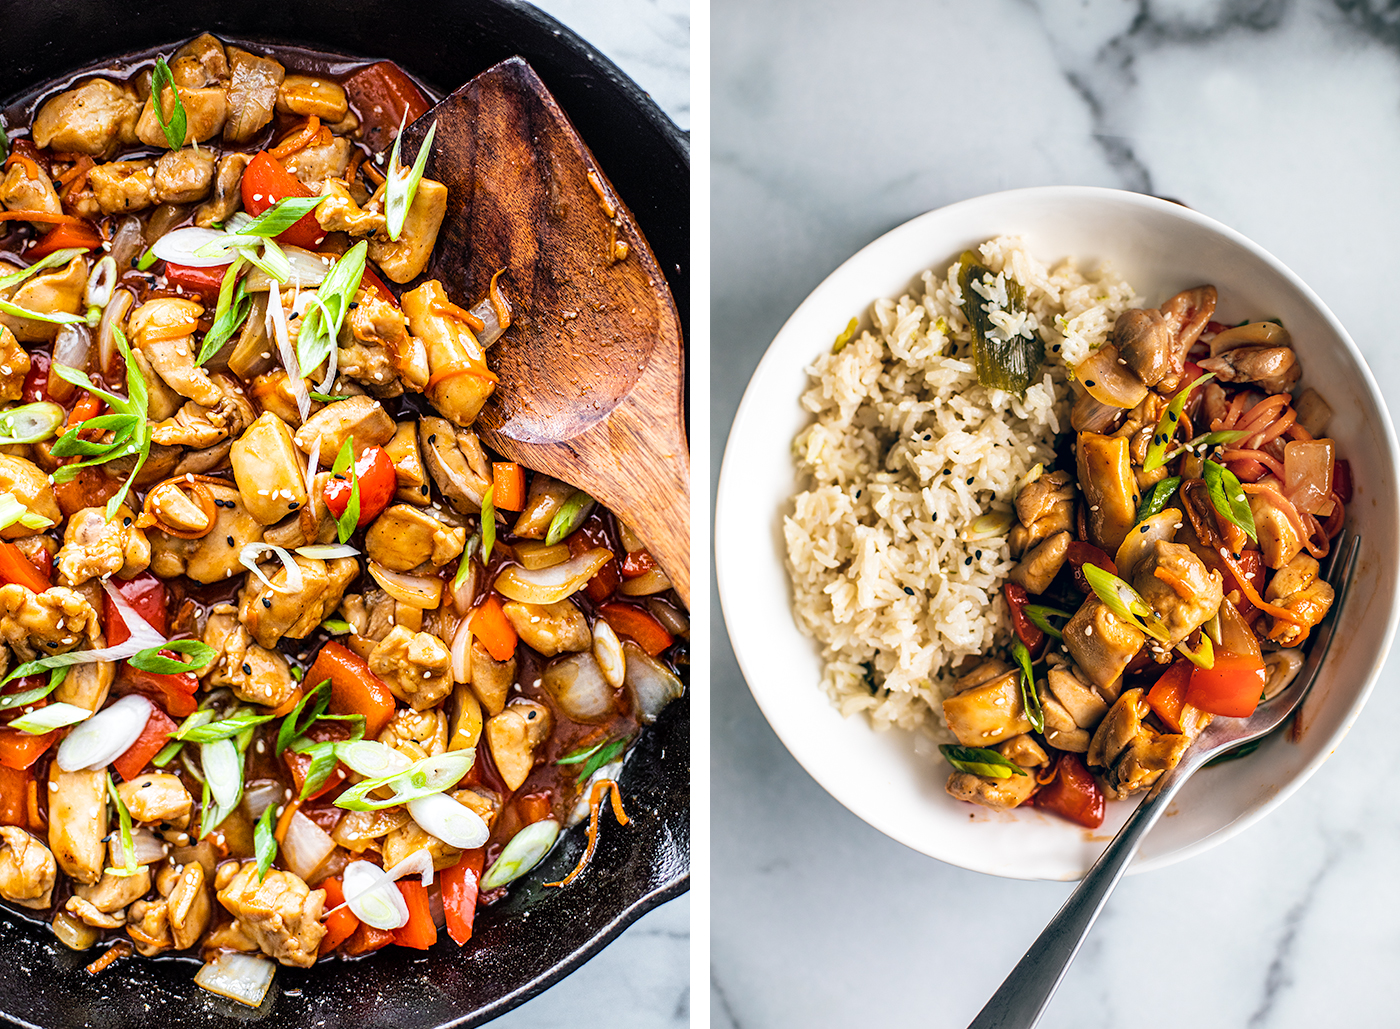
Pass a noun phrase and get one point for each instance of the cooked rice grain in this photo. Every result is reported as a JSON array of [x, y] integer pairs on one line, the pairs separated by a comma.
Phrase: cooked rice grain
[[905, 453]]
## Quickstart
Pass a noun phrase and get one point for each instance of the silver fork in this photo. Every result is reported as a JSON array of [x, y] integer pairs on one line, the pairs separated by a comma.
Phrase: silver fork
[[1025, 994]]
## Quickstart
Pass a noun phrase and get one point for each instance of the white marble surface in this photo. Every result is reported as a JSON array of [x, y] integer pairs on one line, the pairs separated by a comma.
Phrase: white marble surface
[[833, 122], [642, 979]]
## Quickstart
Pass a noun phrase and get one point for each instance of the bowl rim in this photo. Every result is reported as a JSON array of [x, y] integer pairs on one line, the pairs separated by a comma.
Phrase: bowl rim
[[726, 491]]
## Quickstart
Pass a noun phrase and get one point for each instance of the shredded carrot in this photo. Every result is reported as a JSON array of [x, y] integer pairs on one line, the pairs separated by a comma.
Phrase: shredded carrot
[[1262, 457], [499, 303], [31, 167], [480, 373], [37, 820], [375, 175], [354, 168], [448, 309], [176, 331], [81, 167], [594, 806], [324, 137], [120, 949], [1250, 593], [40, 216], [297, 140], [285, 708], [284, 822]]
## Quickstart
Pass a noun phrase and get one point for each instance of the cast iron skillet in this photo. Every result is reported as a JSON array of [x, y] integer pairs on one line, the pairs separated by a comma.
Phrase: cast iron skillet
[[536, 936]]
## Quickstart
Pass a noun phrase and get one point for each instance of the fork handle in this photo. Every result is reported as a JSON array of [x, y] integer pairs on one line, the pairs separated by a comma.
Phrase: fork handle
[[1023, 997]]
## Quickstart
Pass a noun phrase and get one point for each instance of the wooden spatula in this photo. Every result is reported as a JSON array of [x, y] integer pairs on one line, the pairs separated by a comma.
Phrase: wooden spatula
[[592, 369]]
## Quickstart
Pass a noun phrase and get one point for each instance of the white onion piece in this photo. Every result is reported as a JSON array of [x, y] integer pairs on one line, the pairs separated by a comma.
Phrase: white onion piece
[[650, 683], [248, 558], [464, 594], [525, 850], [313, 464], [611, 770], [307, 269], [223, 770], [100, 283], [551, 585], [486, 311], [148, 848], [261, 795], [370, 759], [450, 821], [112, 315], [241, 977], [327, 551], [579, 688], [106, 736], [127, 242], [180, 246], [607, 651], [277, 328], [306, 846], [71, 347], [461, 652], [421, 591], [376, 903]]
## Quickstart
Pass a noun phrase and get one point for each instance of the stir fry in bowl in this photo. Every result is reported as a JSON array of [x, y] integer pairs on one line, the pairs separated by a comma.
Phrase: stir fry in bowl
[[293, 665], [1057, 529]]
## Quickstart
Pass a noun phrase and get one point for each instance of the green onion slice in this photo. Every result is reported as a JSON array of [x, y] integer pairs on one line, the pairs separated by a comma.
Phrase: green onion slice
[[223, 729], [53, 716], [1166, 426], [1156, 499], [281, 216], [488, 524], [168, 752], [846, 336], [464, 566], [12, 510], [54, 260], [129, 867], [1204, 654], [317, 700], [197, 657], [980, 761], [349, 519], [230, 312], [421, 779], [1227, 497], [30, 423], [1124, 601], [1040, 616], [594, 757], [1030, 699], [320, 326], [569, 517], [53, 318], [264, 842], [400, 187], [173, 124]]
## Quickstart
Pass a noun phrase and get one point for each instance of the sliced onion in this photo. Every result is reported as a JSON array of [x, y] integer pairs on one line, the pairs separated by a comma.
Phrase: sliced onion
[[306, 846], [307, 269], [261, 795], [450, 821], [578, 686], [313, 464], [106, 736], [525, 850], [486, 311], [607, 651], [372, 760], [551, 585], [1281, 667], [241, 977], [223, 771], [248, 558], [676, 622], [464, 593], [101, 281], [112, 316], [372, 898], [127, 242], [148, 848], [277, 328], [421, 591], [71, 347], [181, 246], [649, 583], [650, 683], [327, 551], [461, 652], [1308, 473]]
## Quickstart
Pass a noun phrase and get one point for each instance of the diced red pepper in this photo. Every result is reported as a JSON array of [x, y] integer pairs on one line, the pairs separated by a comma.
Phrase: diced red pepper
[[637, 563], [380, 96], [374, 469], [19, 750], [1341, 480], [266, 181], [61, 237], [16, 568], [1232, 687], [1026, 630], [202, 282], [366, 939], [494, 630], [459, 893], [533, 807], [175, 693], [1073, 794], [375, 284], [1251, 562], [1080, 554], [1168, 695], [355, 690], [155, 736], [146, 595], [340, 925], [642, 626], [418, 932], [14, 796]]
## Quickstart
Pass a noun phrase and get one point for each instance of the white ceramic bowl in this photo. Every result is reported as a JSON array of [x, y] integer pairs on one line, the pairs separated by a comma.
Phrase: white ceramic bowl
[[1160, 248]]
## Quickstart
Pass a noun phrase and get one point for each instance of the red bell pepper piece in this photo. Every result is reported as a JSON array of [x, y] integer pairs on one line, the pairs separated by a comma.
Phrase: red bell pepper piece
[[1251, 562], [1168, 695], [156, 735], [637, 563], [381, 95], [630, 620], [14, 796], [1231, 688], [1341, 480], [355, 690], [19, 750], [374, 470], [494, 630], [1073, 793], [146, 595], [61, 237], [459, 893], [366, 939], [265, 182], [375, 284], [1080, 554], [1026, 630], [418, 932], [341, 924], [202, 282], [16, 568], [174, 693]]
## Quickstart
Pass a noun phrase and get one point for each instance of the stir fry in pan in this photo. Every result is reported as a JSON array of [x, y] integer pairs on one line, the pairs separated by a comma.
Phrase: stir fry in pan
[[292, 664], [1168, 567]]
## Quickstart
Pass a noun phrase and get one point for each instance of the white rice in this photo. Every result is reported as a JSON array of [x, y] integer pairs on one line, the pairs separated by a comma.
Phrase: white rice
[[905, 453]]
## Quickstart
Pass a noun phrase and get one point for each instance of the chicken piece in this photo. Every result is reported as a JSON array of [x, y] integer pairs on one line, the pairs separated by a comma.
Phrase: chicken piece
[[41, 624], [988, 713], [1179, 588], [86, 911], [87, 685], [94, 547], [23, 480], [454, 355], [1101, 643], [281, 914], [550, 628], [201, 427], [491, 680], [1002, 794], [314, 164], [189, 907], [416, 666], [1297, 588], [157, 797], [416, 734], [27, 869], [227, 197], [377, 325], [306, 95], [1081, 702], [270, 615], [514, 735], [465, 724], [252, 94], [272, 391], [485, 803], [91, 119], [123, 187], [1110, 490], [543, 502], [406, 258], [254, 673], [1133, 756], [1187, 314], [358, 830], [984, 671], [268, 470], [408, 838], [14, 365], [228, 936], [112, 893], [200, 62], [456, 462], [78, 821], [1045, 507], [340, 212], [157, 330], [362, 419], [22, 191], [407, 456], [184, 176], [212, 557], [1115, 734], [1061, 730], [1038, 568], [148, 925], [403, 537], [205, 112], [59, 291], [1273, 369]]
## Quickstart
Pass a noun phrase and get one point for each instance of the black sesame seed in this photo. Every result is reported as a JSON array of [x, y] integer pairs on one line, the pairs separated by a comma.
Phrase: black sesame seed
[[908, 591], [968, 561], [230, 540], [858, 492], [432, 440], [530, 716], [1142, 529], [247, 668], [1089, 383], [293, 505], [947, 471], [425, 490], [354, 304], [979, 555], [935, 516], [126, 521], [267, 601], [969, 480], [1173, 415]]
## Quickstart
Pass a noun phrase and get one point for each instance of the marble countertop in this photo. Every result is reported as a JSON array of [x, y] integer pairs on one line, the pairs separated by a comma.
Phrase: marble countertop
[[642, 979], [834, 122]]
